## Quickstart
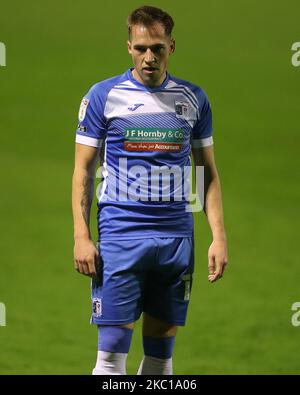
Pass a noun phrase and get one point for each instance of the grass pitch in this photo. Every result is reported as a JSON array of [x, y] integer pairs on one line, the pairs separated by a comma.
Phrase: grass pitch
[[240, 53]]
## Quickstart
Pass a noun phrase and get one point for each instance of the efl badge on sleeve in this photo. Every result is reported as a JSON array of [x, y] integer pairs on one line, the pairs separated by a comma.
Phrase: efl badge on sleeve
[[82, 128], [82, 110], [181, 109]]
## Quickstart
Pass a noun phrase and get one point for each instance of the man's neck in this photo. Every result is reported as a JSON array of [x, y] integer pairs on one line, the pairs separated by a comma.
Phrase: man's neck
[[136, 76]]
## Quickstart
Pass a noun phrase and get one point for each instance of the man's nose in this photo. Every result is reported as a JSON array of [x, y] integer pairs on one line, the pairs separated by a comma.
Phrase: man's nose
[[149, 57]]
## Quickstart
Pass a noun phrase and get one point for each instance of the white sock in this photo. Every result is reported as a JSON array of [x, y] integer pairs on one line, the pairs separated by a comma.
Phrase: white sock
[[110, 363], [152, 365]]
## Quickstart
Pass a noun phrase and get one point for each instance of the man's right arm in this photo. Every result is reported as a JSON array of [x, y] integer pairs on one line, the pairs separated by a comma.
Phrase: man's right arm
[[85, 251]]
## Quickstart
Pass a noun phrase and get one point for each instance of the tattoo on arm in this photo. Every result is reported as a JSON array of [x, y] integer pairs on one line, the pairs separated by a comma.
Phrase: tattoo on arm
[[87, 197]]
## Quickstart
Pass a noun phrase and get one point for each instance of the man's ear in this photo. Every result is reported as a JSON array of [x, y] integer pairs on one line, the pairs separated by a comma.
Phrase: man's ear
[[129, 47], [172, 46]]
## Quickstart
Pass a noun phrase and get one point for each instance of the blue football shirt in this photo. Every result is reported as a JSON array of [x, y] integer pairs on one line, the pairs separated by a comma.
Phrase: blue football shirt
[[145, 135]]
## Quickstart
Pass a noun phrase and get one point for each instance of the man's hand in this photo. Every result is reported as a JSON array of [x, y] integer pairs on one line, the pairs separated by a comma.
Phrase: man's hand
[[217, 259], [86, 257]]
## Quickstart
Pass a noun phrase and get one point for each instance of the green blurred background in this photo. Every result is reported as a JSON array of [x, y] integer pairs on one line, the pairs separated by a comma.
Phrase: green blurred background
[[240, 53]]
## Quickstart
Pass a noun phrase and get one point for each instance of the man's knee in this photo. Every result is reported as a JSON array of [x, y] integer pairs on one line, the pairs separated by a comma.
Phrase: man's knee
[[158, 344], [157, 328], [114, 338]]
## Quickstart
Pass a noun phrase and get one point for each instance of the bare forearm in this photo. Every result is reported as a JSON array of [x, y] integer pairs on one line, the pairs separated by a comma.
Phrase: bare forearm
[[213, 204], [82, 197], [217, 252]]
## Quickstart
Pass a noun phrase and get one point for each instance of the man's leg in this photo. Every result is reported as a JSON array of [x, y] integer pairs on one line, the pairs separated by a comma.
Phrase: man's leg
[[113, 346], [117, 299], [166, 302], [158, 342]]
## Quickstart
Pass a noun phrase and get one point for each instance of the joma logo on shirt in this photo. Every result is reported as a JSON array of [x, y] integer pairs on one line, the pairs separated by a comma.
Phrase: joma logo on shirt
[[135, 106]]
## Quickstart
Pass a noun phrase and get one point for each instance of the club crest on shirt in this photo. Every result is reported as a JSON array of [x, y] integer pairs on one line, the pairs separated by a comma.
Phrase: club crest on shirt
[[82, 110], [181, 109], [97, 307]]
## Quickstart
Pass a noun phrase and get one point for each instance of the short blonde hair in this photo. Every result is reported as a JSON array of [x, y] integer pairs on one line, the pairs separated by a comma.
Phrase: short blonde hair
[[148, 16]]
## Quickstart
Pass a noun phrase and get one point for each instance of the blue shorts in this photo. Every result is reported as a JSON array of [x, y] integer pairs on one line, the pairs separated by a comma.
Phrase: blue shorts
[[152, 275]]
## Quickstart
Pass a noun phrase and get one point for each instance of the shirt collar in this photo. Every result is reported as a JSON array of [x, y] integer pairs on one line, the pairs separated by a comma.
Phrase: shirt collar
[[145, 87]]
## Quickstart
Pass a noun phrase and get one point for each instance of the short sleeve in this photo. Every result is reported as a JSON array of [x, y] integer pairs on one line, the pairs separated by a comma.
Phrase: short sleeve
[[202, 131], [91, 129]]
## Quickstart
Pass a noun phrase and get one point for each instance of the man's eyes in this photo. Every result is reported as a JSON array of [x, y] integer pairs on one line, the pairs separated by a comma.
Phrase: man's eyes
[[154, 49]]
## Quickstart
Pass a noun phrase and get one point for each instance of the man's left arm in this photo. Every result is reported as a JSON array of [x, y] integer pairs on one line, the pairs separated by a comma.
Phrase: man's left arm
[[213, 208]]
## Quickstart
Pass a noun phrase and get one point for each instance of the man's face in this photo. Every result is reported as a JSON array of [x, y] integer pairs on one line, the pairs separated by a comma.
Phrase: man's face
[[150, 49]]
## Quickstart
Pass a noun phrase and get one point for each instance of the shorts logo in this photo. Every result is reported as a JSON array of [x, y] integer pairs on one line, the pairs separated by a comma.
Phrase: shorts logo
[[97, 307], [187, 286], [82, 110]]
